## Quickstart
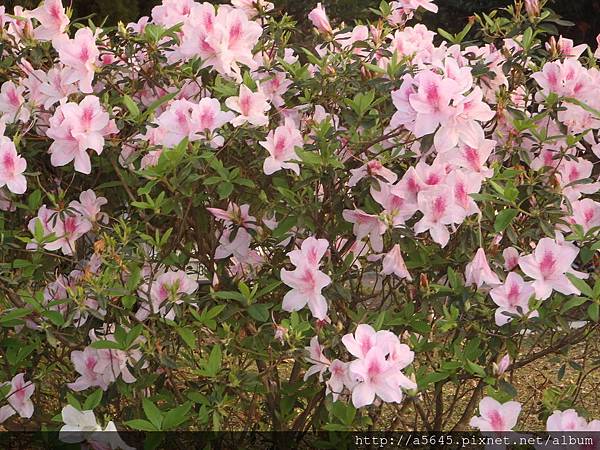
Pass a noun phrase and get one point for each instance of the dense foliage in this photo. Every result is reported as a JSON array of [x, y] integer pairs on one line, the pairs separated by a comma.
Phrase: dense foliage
[[206, 226]]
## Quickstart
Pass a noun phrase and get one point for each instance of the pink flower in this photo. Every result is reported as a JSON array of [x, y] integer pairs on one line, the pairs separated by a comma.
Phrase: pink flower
[[171, 12], [463, 185], [222, 40], [239, 215], [54, 86], [548, 265], [12, 103], [19, 398], [339, 378], [12, 167], [171, 286], [478, 271], [439, 210], [365, 338], [533, 8], [496, 416], [398, 206], [281, 144], [502, 365], [567, 420], [366, 225], [373, 169], [208, 117], [377, 375], [511, 258], [393, 263], [306, 280], [52, 18], [252, 7], [250, 106], [319, 19], [238, 247], [432, 102], [512, 297], [586, 213], [89, 206], [76, 128], [67, 229], [80, 54], [317, 359]]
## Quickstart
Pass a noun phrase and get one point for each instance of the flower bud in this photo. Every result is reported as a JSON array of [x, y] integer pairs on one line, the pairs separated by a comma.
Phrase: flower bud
[[502, 365], [533, 8], [318, 17]]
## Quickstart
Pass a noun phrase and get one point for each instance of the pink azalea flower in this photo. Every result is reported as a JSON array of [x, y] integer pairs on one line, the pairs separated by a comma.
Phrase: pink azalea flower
[[171, 12], [571, 171], [366, 225], [462, 185], [80, 54], [478, 271], [502, 365], [548, 265], [393, 263], [250, 106], [306, 280], [340, 377], [398, 208], [12, 103], [89, 206], [512, 297], [377, 375], [252, 7], [54, 86], [92, 369], [365, 338], [586, 213], [496, 416], [281, 144], [317, 359], [432, 101], [76, 128], [208, 117], [439, 210], [52, 18], [238, 247], [319, 19], [566, 421], [170, 286], [176, 121], [274, 86], [12, 167], [68, 230], [239, 215], [373, 169], [19, 398], [511, 258]]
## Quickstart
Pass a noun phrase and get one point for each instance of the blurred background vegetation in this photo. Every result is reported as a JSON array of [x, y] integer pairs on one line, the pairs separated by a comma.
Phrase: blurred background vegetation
[[452, 16]]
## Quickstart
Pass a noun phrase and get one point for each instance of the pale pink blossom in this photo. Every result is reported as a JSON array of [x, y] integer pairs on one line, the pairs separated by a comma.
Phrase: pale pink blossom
[[281, 144], [12, 167], [478, 271], [366, 225], [512, 297], [316, 358], [52, 18], [207, 117], [19, 398], [511, 258], [439, 211], [502, 365], [373, 169], [89, 206], [75, 128], [393, 263], [365, 338], [79, 54], [306, 280], [586, 212], [67, 229], [548, 265], [496, 416], [566, 421], [319, 19], [250, 106], [12, 103]]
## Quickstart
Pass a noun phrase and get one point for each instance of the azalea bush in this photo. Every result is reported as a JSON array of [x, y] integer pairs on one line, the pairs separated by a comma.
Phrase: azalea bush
[[206, 226]]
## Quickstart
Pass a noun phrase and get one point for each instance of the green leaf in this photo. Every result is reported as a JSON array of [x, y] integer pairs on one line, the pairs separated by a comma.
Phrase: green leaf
[[475, 369], [93, 400], [176, 416], [214, 361], [140, 424], [133, 109], [504, 218], [581, 285], [188, 337], [593, 311], [152, 413], [259, 312]]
